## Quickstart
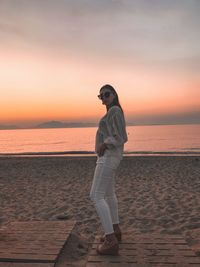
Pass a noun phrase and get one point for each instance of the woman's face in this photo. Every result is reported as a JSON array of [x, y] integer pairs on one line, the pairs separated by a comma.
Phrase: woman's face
[[106, 96]]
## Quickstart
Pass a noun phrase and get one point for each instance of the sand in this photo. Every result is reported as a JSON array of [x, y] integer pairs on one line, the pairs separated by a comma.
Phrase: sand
[[156, 194]]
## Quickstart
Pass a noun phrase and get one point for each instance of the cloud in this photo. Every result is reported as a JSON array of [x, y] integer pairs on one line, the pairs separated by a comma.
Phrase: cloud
[[132, 30]]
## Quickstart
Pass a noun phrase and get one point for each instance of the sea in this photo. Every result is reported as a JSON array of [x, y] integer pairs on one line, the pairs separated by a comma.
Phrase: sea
[[149, 140]]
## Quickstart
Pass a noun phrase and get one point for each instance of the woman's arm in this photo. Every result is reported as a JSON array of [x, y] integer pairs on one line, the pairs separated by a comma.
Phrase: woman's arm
[[117, 131]]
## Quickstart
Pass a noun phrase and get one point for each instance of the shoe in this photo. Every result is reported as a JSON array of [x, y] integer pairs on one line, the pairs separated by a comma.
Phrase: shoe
[[110, 246], [118, 236], [117, 232]]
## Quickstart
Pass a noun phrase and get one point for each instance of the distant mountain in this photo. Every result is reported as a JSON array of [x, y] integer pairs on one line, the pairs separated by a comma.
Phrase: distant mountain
[[50, 124], [9, 127], [150, 119], [58, 124]]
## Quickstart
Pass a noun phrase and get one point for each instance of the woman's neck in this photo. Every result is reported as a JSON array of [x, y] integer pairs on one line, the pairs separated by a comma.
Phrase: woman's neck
[[109, 106]]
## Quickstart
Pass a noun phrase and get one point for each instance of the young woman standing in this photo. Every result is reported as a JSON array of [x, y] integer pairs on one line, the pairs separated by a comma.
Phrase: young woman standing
[[109, 146]]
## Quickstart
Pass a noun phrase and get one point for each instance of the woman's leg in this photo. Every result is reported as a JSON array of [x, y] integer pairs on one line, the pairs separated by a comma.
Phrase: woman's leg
[[110, 195], [102, 181], [111, 199]]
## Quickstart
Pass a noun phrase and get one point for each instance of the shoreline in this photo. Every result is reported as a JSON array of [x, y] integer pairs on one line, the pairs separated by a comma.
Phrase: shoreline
[[93, 154]]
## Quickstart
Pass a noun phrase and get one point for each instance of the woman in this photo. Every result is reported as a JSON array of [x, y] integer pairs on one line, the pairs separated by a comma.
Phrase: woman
[[110, 138]]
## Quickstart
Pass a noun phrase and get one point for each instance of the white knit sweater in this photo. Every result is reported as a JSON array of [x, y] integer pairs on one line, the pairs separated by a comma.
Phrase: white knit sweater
[[112, 131]]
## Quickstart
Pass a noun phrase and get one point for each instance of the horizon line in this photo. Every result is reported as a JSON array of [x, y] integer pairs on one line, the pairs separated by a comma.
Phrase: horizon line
[[88, 125]]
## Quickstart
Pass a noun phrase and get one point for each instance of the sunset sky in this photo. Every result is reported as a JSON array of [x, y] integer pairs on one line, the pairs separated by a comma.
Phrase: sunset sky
[[55, 55]]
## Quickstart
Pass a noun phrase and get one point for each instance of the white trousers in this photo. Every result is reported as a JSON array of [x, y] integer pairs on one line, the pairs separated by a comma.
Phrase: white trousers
[[102, 192]]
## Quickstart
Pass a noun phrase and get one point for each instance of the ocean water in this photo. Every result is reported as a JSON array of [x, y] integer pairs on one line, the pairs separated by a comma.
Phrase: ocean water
[[154, 139]]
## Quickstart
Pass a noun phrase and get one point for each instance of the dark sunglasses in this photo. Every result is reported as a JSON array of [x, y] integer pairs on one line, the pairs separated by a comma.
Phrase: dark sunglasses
[[106, 95]]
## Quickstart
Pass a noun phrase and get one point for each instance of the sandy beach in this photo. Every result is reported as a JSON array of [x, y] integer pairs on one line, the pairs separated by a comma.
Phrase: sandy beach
[[156, 194]]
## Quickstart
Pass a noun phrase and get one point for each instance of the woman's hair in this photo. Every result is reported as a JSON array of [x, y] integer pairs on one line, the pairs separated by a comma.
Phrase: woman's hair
[[116, 99]]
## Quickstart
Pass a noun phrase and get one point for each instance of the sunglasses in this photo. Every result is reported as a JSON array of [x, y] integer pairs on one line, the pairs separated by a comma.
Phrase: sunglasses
[[106, 95]]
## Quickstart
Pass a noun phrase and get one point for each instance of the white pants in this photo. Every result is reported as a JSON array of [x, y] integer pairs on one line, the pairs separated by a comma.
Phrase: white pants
[[103, 191]]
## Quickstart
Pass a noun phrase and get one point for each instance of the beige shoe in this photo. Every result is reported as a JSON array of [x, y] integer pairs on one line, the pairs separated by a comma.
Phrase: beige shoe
[[110, 246]]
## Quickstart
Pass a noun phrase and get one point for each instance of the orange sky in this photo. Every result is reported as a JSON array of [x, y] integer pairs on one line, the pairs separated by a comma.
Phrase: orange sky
[[45, 75]]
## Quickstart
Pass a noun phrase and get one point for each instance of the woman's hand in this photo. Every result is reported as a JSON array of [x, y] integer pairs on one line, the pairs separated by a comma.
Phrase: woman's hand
[[102, 149]]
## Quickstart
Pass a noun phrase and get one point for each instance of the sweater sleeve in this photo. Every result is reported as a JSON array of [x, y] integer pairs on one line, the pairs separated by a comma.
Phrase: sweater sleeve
[[117, 132]]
